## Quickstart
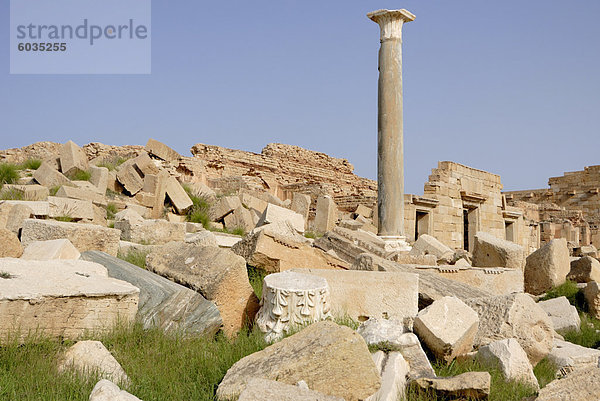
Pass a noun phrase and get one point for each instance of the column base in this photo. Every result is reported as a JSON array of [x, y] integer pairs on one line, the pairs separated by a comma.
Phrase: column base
[[395, 243]]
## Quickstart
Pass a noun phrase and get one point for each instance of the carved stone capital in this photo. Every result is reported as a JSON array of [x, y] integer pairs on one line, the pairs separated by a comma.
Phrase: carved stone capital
[[390, 22]]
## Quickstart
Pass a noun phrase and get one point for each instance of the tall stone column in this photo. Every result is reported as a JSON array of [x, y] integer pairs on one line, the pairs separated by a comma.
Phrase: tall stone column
[[390, 148]]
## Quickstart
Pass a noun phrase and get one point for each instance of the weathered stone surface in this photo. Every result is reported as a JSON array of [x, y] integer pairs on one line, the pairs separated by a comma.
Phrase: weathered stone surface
[[202, 238], [393, 370], [161, 151], [224, 206], [331, 359], [491, 251], [378, 331], [156, 232], [470, 385], [81, 194], [428, 245], [253, 203], [179, 198], [225, 240], [448, 327], [163, 303], [130, 178], [581, 385], [10, 246], [269, 390], [591, 292], [34, 208], [106, 390], [326, 214], [514, 316], [586, 250], [61, 298], [71, 208], [584, 270], [239, 218], [32, 192], [12, 216], [278, 214], [508, 356], [49, 176], [497, 280], [563, 315], [218, 274], [291, 300], [365, 294], [72, 158], [547, 267], [92, 356], [301, 204], [99, 178], [410, 347], [568, 357], [145, 164], [85, 237], [51, 249]]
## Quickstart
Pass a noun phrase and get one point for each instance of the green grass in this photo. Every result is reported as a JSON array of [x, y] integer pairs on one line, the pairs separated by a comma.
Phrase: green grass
[[568, 289], [256, 277], [5, 275], [112, 163], [545, 371], [53, 190], [30, 164], [111, 210], [161, 366], [310, 234], [9, 173], [11, 194], [67, 219], [80, 175], [135, 257], [199, 212], [588, 336]]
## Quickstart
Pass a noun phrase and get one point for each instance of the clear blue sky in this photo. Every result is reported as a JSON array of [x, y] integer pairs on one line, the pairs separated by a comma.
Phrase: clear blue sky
[[511, 87]]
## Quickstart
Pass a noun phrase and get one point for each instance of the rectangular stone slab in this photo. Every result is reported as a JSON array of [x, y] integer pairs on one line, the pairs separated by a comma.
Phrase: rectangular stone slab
[[61, 298], [162, 302]]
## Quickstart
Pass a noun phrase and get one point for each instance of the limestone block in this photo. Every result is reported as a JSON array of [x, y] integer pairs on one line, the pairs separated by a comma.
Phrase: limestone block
[[81, 194], [49, 177], [61, 298], [145, 165], [379, 331], [225, 240], [10, 245], [224, 206], [428, 245], [114, 184], [73, 208], [301, 204], [12, 216], [218, 274], [179, 198], [410, 348], [586, 250], [393, 370], [37, 208], [278, 214], [72, 158], [156, 232], [568, 357], [365, 294], [591, 293], [163, 303], [470, 385], [85, 237], [269, 390], [584, 270], [51, 249], [253, 203], [145, 199], [90, 357], [490, 251], [580, 385], [326, 214], [331, 359], [130, 178], [32, 192], [291, 300], [563, 315], [514, 316], [239, 218], [203, 238], [547, 267], [151, 183], [508, 356], [99, 178], [498, 281], [106, 390], [362, 210], [161, 151], [448, 327]]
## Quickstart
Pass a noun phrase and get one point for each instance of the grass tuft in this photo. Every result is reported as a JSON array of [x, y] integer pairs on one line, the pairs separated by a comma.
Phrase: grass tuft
[[6, 275], [589, 333], [199, 212], [66, 218], [567, 289], [135, 257], [11, 194], [30, 164], [112, 163], [80, 175], [256, 277], [111, 210], [9, 173]]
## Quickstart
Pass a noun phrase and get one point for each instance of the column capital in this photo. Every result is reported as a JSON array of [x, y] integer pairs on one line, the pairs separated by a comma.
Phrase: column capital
[[391, 21]]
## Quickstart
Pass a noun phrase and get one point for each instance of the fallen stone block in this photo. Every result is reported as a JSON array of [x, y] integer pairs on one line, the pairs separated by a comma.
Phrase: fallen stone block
[[106, 390], [61, 298], [71, 208], [331, 359], [269, 390], [11, 246], [547, 267], [581, 385], [365, 294], [218, 274], [508, 356], [362, 210], [428, 245], [155, 232], [383, 331], [326, 214], [448, 327], [81, 194], [470, 385], [568, 357], [301, 204], [490, 251], [177, 195], [253, 203], [31, 192], [145, 165], [393, 370], [584, 270], [514, 316], [161, 151], [72, 158], [89, 357], [591, 293], [563, 315], [240, 218], [99, 178], [277, 214], [202, 238], [225, 240], [163, 303], [85, 237], [50, 250], [224, 206], [586, 250], [13, 215], [49, 177], [130, 178]]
